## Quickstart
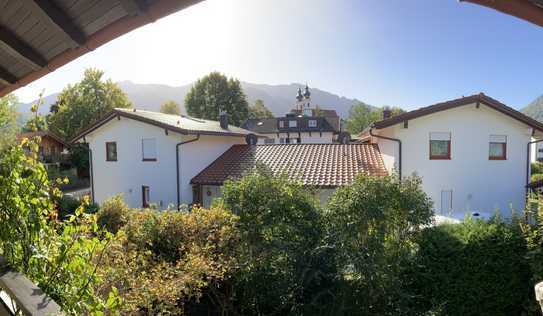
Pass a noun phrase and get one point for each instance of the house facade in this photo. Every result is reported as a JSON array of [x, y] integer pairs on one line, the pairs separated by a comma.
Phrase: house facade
[[51, 146], [305, 124], [471, 153], [151, 157]]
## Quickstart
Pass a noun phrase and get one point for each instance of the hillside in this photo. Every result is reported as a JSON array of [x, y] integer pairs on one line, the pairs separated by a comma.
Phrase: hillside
[[278, 98], [535, 109]]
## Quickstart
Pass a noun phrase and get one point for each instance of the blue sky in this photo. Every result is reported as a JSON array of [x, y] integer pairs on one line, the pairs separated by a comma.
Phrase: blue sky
[[407, 53]]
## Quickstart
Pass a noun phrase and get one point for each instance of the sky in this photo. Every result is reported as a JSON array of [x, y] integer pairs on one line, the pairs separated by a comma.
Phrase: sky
[[407, 53]]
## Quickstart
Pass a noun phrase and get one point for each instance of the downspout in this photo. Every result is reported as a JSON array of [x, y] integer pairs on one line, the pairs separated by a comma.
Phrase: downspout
[[178, 172], [528, 162], [399, 150]]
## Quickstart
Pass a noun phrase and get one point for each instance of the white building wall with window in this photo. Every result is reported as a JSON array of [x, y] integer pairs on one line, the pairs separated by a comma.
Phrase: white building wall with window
[[130, 173], [470, 181]]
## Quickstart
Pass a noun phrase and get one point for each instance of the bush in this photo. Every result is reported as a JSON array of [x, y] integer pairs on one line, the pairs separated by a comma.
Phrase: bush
[[373, 224], [472, 268], [283, 269], [536, 177], [113, 214], [164, 261], [536, 168]]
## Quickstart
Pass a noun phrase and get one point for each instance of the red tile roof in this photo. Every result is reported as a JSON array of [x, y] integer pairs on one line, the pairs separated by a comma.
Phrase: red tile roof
[[324, 165]]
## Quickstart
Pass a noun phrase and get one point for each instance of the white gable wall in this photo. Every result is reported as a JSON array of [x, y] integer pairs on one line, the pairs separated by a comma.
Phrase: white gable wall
[[129, 173], [477, 183]]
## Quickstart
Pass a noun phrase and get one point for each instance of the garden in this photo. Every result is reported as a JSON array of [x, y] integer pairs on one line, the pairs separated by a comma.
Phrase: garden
[[266, 247]]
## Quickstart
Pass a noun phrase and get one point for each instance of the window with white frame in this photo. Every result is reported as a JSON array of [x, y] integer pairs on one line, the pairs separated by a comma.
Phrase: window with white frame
[[497, 147], [269, 141], [281, 124], [148, 149], [440, 145], [312, 123], [292, 123]]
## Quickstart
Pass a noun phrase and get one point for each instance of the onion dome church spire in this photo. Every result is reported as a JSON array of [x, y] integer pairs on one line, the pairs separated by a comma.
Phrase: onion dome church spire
[[307, 94], [299, 96]]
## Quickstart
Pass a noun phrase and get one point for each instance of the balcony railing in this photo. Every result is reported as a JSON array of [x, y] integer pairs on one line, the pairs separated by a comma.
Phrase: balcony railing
[[19, 296]]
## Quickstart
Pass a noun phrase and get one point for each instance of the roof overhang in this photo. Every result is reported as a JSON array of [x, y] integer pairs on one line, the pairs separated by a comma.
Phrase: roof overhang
[[78, 40], [118, 114], [529, 10], [474, 99]]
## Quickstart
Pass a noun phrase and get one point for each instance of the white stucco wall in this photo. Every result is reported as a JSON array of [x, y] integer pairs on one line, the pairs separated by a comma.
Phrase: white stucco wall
[[477, 183], [314, 138], [129, 173], [211, 192]]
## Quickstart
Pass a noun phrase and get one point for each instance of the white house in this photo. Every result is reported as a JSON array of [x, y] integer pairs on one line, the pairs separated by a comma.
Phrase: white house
[[151, 157], [472, 153]]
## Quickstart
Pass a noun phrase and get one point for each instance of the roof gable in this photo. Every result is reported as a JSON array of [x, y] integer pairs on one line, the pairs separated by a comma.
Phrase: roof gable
[[324, 165], [473, 99]]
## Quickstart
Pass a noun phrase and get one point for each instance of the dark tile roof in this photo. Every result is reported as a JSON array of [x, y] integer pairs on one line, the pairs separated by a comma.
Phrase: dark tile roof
[[323, 165], [271, 125], [473, 99]]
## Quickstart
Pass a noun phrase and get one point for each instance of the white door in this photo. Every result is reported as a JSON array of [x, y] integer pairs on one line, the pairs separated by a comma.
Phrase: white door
[[446, 202]]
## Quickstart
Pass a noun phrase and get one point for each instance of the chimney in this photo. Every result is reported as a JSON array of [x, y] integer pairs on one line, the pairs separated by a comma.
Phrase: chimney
[[387, 113], [223, 119]]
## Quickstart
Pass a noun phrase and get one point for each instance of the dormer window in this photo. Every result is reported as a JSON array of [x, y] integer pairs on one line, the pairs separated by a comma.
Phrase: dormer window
[[292, 123], [312, 123]]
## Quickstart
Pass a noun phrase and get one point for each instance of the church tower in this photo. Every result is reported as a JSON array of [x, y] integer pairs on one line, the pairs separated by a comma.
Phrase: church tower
[[303, 101]]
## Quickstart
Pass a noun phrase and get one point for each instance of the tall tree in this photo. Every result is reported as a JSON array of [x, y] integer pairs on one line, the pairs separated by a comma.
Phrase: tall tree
[[361, 116], [8, 121], [170, 107], [259, 110], [83, 103], [214, 93]]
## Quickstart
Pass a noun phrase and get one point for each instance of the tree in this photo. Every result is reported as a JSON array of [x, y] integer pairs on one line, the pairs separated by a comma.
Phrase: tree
[[83, 103], [170, 107], [8, 121], [213, 93], [373, 225], [361, 116], [259, 110]]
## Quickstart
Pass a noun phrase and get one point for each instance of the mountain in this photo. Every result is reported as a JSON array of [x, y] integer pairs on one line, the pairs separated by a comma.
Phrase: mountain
[[278, 98], [535, 109]]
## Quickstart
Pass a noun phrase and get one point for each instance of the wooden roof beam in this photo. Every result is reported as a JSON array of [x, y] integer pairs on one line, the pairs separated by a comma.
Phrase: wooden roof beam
[[6, 77], [529, 10], [134, 7], [48, 13], [15, 47]]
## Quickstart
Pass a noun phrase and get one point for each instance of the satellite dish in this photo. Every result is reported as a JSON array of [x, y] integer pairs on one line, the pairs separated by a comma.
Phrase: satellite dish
[[344, 138], [251, 139]]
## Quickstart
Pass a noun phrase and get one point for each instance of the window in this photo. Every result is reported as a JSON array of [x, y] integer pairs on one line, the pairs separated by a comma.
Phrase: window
[[497, 147], [312, 123], [269, 141], [281, 124], [292, 123], [145, 196], [440, 145], [111, 151], [148, 149]]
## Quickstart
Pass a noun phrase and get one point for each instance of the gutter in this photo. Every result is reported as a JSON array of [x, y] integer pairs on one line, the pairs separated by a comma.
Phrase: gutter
[[91, 171], [399, 149], [177, 171]]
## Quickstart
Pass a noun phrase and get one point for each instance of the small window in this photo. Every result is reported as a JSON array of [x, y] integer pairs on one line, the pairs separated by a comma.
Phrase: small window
[[148, 148], [111, 151], [440, 146], [281, 124], [497, 147], [312, 123], [269, 141], [145, 196], [292, 123]]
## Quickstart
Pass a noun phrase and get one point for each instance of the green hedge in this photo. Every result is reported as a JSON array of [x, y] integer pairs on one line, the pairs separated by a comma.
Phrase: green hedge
[[472, 268]]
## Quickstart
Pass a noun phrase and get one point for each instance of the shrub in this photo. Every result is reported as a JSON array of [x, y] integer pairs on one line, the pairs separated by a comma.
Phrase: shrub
[[536, 168], [372, 224], [472, 268], [536, 177], [163, 261], [113, 214], [283, 269]]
